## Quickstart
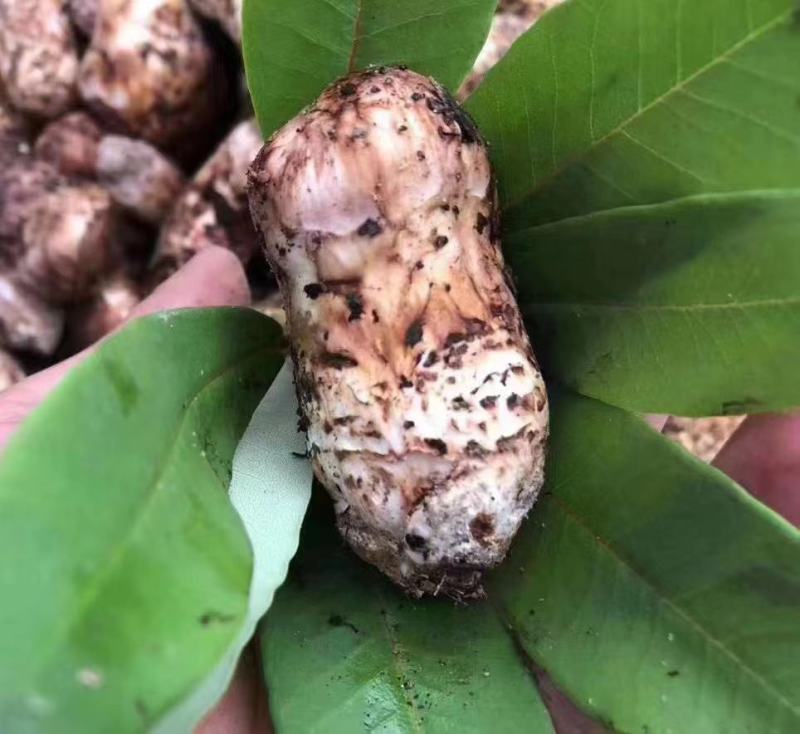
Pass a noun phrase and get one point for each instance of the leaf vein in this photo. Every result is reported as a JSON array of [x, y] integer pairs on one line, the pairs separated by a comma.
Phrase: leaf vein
[[557, 170], [91, 591], [357, 37], [656, 154], [712, 641], [743, 115], [398, 662], [740, 305]]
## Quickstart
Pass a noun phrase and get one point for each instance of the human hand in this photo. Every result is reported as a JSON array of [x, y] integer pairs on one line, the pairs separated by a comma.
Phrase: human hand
[[763, 456], [213, 278]]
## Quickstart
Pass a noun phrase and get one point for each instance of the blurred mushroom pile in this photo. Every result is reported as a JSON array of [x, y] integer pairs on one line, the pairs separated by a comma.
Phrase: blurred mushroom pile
[[125, 136]]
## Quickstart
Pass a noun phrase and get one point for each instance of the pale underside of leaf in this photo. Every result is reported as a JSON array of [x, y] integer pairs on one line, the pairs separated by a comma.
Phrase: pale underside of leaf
[[269, 489]]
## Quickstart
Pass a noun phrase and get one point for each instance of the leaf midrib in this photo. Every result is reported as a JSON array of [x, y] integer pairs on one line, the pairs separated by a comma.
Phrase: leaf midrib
[[566, 163], [358, 36], [92, 591], [397, 661], [517, 237], [681, 613], [672, 307]]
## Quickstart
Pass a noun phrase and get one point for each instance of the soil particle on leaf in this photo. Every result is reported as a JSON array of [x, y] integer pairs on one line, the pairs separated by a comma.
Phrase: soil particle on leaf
[[336, 620], [213, 617]]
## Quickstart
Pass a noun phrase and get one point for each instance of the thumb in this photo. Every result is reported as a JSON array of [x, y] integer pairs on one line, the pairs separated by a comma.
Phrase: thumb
[[214, 277]]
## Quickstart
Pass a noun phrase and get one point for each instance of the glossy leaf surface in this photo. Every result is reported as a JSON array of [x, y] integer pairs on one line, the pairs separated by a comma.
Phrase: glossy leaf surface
[[346, 651], [655, 591], [293, 49], [610, 103], [125, 569], [690, 307]]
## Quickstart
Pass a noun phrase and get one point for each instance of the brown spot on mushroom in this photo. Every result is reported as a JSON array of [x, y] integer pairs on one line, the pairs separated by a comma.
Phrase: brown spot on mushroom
[[439, 446], [314, 290], [337, 360], [414, 333], [454, 338], [369, 228], [356, 307], [475, 450], [481, 528], [415, 542]]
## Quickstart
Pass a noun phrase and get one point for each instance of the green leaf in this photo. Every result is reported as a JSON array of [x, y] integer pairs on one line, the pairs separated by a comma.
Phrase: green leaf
[[653, 589], [690, 307], [609, 103], [270, 490], [346, 651], [125, 570], [657, 593], [293, 49]]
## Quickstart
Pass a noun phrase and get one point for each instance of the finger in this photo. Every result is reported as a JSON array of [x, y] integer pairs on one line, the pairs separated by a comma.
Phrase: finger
[[764, 457], [214, 277], [241, 711], [567, 718], [657, 421]]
